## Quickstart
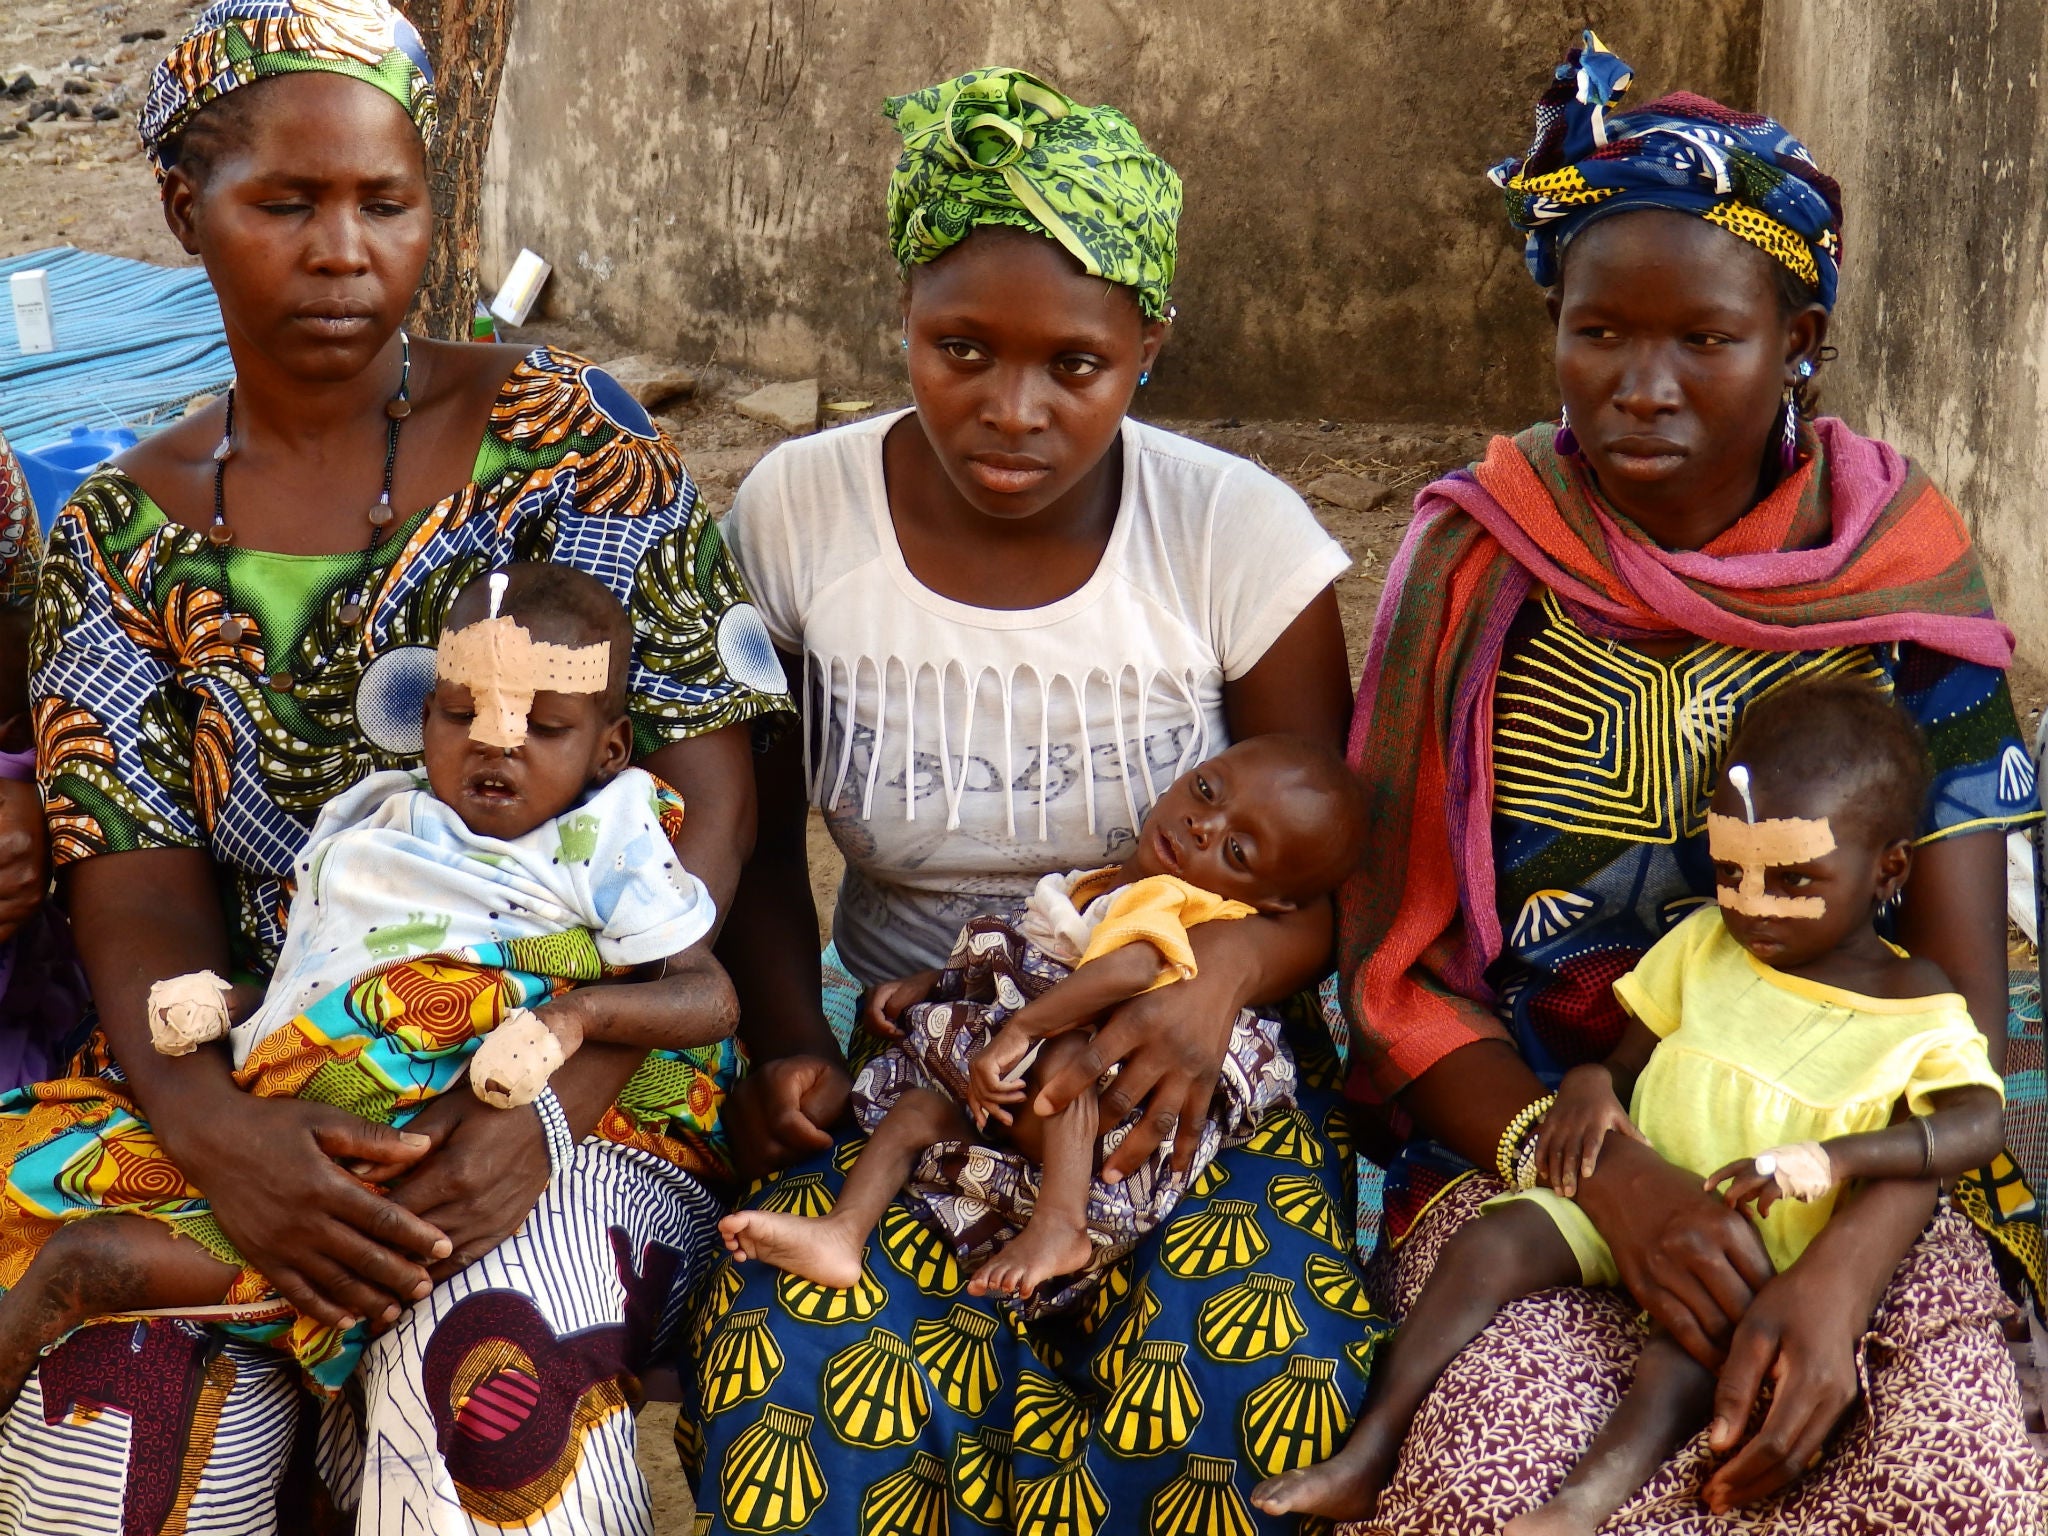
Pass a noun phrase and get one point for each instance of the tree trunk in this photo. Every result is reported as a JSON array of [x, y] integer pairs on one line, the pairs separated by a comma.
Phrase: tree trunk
[[466, 41]]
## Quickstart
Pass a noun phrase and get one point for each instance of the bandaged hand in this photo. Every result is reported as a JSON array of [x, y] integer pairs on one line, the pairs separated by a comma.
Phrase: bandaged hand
[[997, 1076], [1801, 1171], [186, 1012], [517, 1058]]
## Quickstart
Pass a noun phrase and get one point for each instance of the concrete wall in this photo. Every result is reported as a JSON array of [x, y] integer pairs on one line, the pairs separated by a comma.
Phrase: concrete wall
[[1930, 113], [707, 175]]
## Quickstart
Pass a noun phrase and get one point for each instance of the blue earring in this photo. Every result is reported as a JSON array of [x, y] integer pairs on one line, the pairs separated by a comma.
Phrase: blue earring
[[904, 343], [1144, 378]]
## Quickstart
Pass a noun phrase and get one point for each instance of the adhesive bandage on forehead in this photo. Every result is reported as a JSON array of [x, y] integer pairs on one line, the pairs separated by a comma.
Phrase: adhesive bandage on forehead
[[1755, 847], [503, 667]]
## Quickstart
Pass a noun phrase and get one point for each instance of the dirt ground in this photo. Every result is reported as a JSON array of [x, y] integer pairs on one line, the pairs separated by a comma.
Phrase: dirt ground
[[81, 181]]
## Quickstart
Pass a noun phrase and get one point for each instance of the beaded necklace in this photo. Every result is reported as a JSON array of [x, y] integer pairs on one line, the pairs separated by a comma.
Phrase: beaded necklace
[[220, 535]]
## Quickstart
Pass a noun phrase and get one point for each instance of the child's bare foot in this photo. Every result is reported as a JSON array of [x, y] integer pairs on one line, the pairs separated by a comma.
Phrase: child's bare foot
[[814, 1248], [1041, 1252], [1346, 1487], [1560, 1517]]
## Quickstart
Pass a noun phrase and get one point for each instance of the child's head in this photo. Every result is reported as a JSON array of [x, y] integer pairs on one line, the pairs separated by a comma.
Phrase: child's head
[[1274, 822], [568, 742], [1837, 780]]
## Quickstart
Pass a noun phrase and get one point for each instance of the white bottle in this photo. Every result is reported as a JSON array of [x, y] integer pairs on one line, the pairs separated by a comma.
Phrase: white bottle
[[32, 311]]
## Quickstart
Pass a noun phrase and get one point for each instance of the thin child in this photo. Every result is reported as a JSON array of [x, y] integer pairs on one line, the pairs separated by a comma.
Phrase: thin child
[[442, 920], [1270, 825], [1777, 1044]]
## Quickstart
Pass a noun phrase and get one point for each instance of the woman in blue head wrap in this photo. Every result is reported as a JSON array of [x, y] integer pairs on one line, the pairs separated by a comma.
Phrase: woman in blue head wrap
[[1572, 633]]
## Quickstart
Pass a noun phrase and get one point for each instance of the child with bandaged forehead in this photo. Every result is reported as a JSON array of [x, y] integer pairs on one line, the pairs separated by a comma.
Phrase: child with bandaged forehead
[[1778, 1045], [441, 919]]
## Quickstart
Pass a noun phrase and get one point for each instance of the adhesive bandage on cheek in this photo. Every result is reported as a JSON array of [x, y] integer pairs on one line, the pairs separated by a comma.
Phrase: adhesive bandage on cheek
[[186, 1012], [503, 667], [1755, 847], [1802, 1169]]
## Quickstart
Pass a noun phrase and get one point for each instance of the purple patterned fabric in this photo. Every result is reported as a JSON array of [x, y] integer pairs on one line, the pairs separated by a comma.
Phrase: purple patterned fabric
[[1937, 1443]]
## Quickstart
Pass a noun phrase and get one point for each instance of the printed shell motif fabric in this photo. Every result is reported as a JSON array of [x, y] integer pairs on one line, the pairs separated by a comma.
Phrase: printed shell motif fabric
[[154, 730]]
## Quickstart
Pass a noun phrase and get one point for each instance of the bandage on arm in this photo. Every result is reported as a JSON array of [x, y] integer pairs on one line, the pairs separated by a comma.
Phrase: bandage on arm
[[186, 1012], [1802, 1169], [516, 1060]]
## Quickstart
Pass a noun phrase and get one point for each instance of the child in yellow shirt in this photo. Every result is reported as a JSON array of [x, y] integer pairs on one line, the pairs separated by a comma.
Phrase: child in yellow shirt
[[1778, 1044], [1270, 825]]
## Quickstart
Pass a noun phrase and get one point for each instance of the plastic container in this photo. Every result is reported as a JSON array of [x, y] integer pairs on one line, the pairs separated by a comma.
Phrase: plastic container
[[55, 471]]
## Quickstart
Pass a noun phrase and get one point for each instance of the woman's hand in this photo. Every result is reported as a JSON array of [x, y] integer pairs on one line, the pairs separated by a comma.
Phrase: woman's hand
[[1802, 1334], [335, 1249], [24, 855], [1693, 1264], [784, 1110], [1568, 1145], [479, 1174], [1170, 1045]]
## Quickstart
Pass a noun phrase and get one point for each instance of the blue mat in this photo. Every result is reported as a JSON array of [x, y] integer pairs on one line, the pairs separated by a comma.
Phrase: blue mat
[[134, 343]]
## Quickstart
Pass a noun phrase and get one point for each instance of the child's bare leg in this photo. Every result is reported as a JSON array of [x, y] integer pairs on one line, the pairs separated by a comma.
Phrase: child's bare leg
[[94, 1267], [1055, 1241], [826, 1249], [1499, 1257], [1672, 1396]]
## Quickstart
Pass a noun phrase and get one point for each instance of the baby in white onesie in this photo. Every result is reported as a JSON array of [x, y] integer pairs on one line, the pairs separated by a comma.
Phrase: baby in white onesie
[[441, 920]]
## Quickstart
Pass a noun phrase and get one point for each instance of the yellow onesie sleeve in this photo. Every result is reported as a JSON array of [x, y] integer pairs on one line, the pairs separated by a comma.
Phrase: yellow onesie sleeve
[[1959, 1060], [1159, 910], [1654, 989]]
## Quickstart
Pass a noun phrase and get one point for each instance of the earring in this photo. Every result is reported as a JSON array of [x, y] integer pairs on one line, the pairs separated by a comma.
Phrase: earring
[[1144, 378], [904, 343], [1788, 447], [1566, 441]]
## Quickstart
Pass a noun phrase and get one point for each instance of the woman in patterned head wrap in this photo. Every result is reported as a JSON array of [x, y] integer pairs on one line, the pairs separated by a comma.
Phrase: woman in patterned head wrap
[[1568, 639], [1018, 614], [237, 623]]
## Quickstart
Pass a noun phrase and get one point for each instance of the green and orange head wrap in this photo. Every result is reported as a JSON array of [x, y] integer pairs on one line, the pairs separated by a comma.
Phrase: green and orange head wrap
[[1001, 147], [238, 42]]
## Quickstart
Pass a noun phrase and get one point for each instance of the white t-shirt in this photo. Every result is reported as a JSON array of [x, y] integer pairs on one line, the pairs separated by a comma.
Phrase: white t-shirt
[[959, 753]]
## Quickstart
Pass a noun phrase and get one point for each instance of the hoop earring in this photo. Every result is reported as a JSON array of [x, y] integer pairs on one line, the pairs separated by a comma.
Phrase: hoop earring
[[1567, 441]]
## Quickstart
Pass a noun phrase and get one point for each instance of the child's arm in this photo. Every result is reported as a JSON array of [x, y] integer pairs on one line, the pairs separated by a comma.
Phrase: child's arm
[[887, 1001], [1092, 989], [1963, 1130], [1589, 1105], [994, 1079], [689, 1003]]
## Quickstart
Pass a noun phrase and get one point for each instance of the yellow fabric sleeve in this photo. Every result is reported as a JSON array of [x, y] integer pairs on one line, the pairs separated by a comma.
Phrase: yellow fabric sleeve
[[1963, 1061], [1652, 991], [1159, 910]]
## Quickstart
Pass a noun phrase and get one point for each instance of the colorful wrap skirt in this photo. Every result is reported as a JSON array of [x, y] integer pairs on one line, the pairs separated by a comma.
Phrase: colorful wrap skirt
[[1231, 1344], [380, 1048], [979, 1195]]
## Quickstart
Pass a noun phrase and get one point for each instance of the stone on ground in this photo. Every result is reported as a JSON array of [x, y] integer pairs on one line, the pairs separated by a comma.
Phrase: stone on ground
[[1358, 493], [790, 408], [652, 382]]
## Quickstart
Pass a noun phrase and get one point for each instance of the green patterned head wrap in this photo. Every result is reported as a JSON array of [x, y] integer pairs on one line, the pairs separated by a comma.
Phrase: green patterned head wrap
[[1000, 147], [234, 43]]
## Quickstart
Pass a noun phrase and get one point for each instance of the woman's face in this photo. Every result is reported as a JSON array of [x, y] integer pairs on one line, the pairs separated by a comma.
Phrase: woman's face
[[313, 223], [1022, 366], [1673, 354]]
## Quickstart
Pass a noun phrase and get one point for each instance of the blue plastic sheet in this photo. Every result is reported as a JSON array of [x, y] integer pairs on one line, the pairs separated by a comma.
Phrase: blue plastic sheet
[[134, 343]]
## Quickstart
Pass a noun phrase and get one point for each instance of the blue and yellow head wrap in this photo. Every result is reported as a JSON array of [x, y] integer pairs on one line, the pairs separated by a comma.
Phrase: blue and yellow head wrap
[[237, 42], [998, 146], [1739, 170]]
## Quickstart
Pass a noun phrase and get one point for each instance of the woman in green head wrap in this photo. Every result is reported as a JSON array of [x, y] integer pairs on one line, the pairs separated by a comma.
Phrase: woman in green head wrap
[[1017, 615]]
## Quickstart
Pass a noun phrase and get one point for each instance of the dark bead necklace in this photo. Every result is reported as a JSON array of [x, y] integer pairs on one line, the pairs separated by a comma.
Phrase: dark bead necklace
[[381, 515]]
